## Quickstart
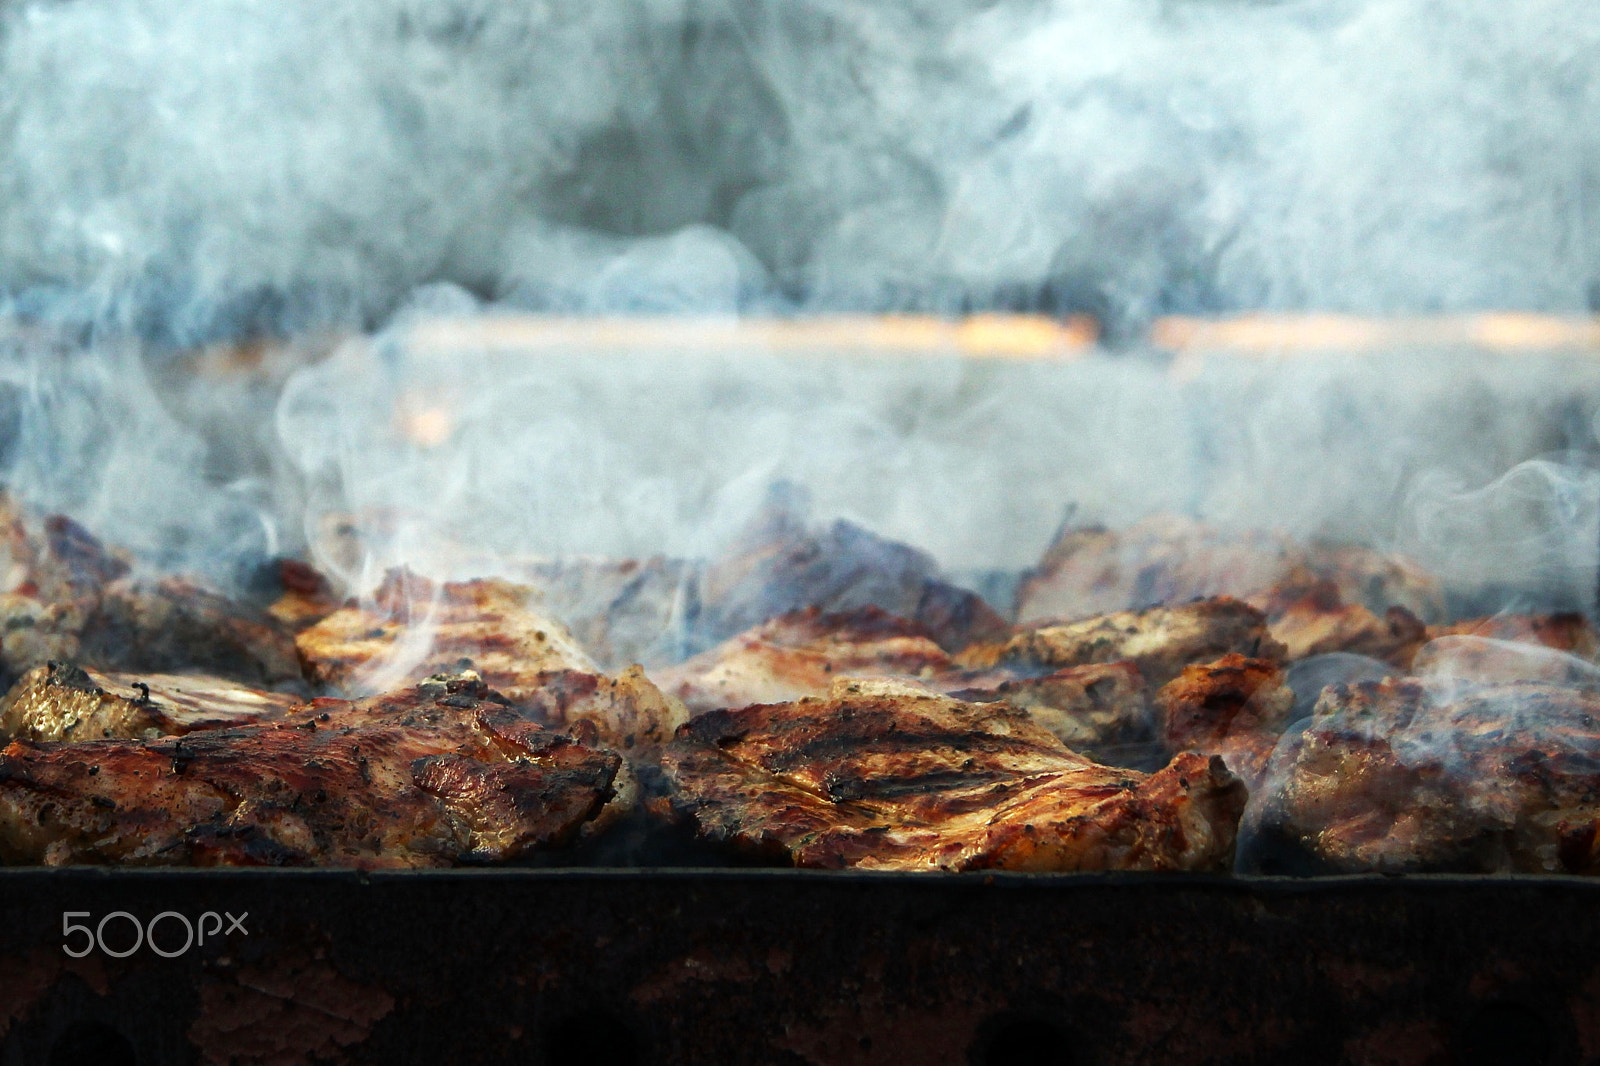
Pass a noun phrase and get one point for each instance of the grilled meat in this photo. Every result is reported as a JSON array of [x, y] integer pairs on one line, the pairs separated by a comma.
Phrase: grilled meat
[[1166, 560], [305, 596], [620, 611], [66, 596], [801, 654], [1404, 775], [1309, 617], [415, 628], [903, 780], [60, 701], [1567, 631], [1235, 707], [1100, 710], [1161, 640], [443, 772], [1093, 709], [781, 565]]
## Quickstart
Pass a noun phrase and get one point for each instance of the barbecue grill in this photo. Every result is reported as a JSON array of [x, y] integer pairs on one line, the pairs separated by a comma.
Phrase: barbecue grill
[[290, 302]]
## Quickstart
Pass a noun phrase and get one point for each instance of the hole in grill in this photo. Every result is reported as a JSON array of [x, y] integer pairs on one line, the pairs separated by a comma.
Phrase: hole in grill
[[1506, 1034], [1025, 1040], [91, 1044], [590, 1038]]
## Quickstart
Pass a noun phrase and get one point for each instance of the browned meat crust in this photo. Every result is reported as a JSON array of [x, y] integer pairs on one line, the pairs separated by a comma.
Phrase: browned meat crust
[[66, 596], [1093, 709], [781, 564], [1167, 559], [415, 628], [1400, 775], [1235, 707], [1309, 617], [60, 702], [1567, 631], [923, 782], [1161, 640], [1100, 710], [306, 596], [439, 773], [801, 654]]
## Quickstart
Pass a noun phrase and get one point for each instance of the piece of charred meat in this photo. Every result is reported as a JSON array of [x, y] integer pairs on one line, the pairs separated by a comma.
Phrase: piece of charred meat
[[1235, 707], [1161, 641], [63, 702], [414, 627], [1168, 559], [440, 773], [1098, 709], [304, 595], [1566, 631], [781, 564], [1101, 710], [802, 654], [1309, 616], [66, 596], [1403, 775], [914, 781]]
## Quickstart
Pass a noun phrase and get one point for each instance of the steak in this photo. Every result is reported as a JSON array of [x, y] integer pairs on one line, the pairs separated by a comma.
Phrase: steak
[[62, 702], [440, 773], [906, 780], [1403, 775]]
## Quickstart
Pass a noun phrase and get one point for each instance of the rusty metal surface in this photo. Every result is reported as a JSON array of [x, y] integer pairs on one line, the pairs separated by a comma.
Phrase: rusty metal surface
[[783, 967]]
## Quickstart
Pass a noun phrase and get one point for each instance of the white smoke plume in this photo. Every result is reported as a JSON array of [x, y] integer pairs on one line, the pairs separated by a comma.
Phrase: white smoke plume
[[190, 168]]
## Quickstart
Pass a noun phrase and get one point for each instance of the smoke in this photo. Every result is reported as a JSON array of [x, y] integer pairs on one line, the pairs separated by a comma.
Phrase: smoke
[[189, 169]]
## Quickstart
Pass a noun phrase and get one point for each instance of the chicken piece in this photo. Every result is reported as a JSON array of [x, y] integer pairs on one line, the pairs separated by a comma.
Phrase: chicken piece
[[627, 713], [66, 596], [62, 702], [1235, 707], [1167, 559], [415, 628], [1100, 710], [1309, 617], [1161, 641], [443, 772], [1402, 775], [802, 654], [911, 781]]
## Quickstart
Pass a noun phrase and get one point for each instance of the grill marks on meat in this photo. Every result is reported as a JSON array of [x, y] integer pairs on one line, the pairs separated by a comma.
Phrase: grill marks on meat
[[802, 654], [1235, 707], [62, 702], [416, 628], [917, 782], [440, 773], [1161, 641], [1093, 709], [1406, 776], [66, 596]]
